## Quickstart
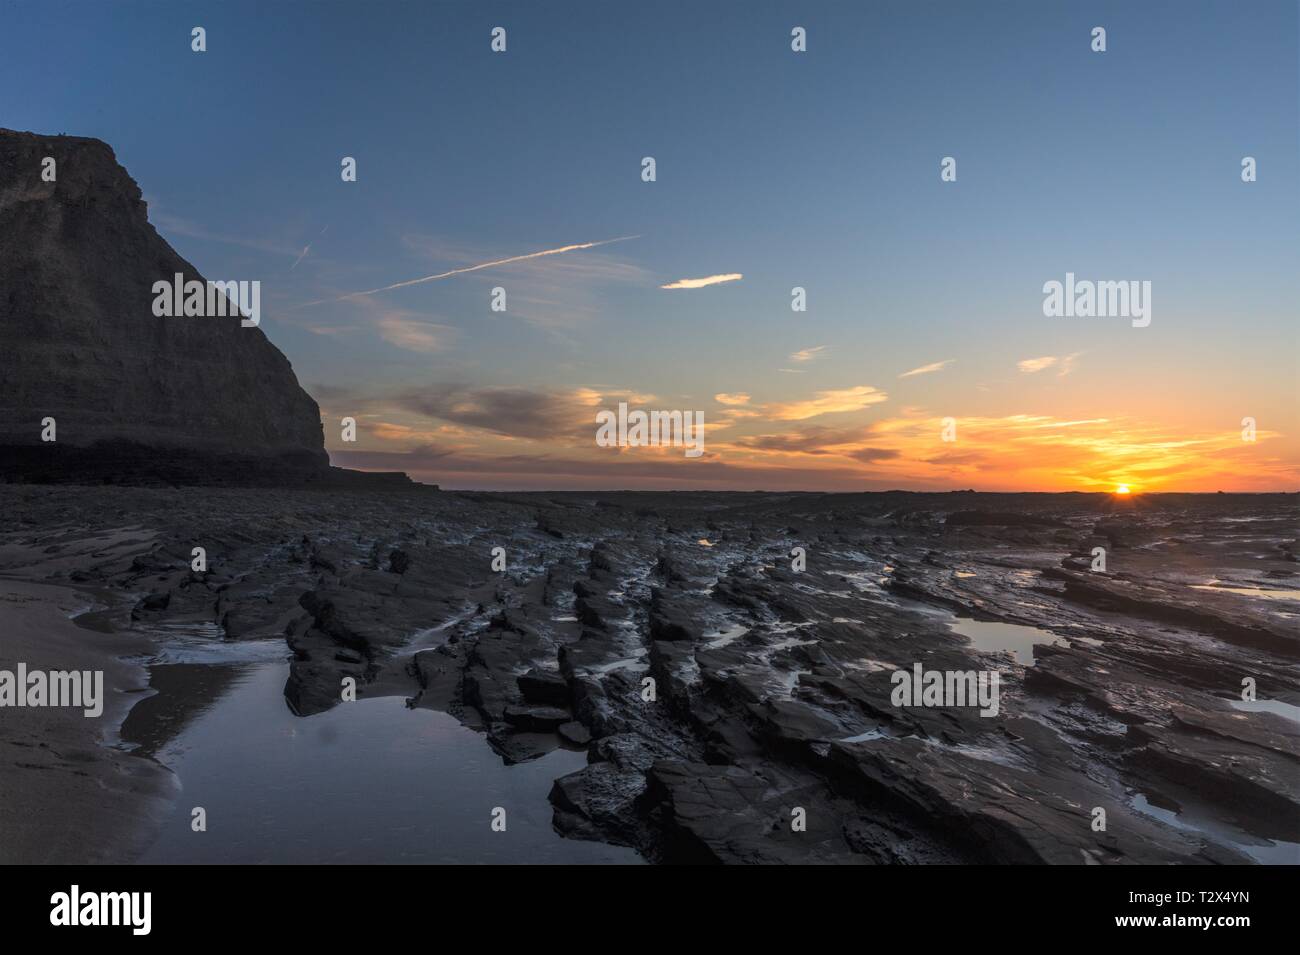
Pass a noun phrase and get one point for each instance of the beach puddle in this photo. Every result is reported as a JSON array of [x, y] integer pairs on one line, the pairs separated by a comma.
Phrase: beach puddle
[[1266, 593], [1288, 711], [724, 638], [1016, 638], [1262, 850], [365, 782]]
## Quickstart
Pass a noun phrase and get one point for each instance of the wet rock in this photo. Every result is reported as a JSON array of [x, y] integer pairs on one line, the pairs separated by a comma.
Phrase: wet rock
[[544, 687], [771, 689], [156, 601], [537, 718], [574, 733]]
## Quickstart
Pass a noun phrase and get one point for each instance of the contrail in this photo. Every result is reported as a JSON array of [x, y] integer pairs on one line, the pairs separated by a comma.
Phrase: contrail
[[471, 268], [306, 248]]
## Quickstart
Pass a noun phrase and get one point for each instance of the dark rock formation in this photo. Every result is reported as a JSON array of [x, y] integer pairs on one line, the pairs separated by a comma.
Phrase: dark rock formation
[[721, 697], [136, 398]]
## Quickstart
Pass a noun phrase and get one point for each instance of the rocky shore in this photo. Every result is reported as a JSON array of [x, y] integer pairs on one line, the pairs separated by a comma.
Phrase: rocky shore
[[724, 660]]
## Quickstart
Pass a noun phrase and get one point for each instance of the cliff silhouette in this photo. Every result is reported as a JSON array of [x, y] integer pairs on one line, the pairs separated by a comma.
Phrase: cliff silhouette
[[135, 398]]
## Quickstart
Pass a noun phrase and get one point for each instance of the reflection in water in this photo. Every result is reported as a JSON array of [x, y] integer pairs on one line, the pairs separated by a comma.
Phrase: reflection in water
[[1263, 592], [181, 692], [1263, 851], [365, 782], [1288, 711], [990, 636]]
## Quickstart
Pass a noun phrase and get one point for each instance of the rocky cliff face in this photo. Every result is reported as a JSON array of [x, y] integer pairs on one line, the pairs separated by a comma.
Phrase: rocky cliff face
[[135, 397]]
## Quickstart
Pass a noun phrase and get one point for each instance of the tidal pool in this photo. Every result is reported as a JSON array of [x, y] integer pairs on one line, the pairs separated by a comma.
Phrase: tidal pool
[[365, 782], [1017, 638]]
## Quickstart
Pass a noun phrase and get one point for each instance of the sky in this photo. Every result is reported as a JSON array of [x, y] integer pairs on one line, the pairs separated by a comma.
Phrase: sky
[[780, 169]]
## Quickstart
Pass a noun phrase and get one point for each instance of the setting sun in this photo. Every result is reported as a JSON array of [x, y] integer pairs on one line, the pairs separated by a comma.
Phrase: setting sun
[[1122, 489]]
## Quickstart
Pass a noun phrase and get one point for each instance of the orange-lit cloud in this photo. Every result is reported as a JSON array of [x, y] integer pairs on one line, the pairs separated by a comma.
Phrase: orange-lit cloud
[[1063, 365], [517, 437], [826, 402], [1033, 452]]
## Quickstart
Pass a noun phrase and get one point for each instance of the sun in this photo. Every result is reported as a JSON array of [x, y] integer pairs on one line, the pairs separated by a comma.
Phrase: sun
[[1122, 489]]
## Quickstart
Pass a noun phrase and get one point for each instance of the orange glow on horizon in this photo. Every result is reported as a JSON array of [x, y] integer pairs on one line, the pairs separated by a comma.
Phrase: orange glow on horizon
[[837, 441]]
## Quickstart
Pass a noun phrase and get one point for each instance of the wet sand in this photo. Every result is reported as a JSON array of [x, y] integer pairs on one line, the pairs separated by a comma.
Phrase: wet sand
[[68, 792]]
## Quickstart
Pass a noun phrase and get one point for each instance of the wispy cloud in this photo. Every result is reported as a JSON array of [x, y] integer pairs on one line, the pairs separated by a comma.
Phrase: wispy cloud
[[809, 354], [827, 402], [175, 225], [707, 280], [927, 369], [470, 268], [413, 334], [1063, 364]]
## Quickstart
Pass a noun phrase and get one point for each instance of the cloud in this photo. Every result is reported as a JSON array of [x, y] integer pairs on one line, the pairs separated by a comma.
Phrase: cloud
[[175, 225], [871, 455], [927, 369], [510, 412], [1031, 366], [392, 431], [816, 439], [622, 394], [331, 331], [808, 354], [470, 268], [827, 402], [325, 393], [413, 334], [708, 280], [1012, 452], [1064, 365], [437, 464], [739, 398]]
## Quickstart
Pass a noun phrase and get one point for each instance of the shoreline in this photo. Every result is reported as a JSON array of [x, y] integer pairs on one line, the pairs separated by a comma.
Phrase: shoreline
[[61, 765]]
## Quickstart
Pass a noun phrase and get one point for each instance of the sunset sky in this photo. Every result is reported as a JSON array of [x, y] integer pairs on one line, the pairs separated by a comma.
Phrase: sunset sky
[[775, 169]]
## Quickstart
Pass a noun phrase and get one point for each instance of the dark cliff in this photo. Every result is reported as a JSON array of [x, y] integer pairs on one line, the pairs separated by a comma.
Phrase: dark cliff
[[135, 397]]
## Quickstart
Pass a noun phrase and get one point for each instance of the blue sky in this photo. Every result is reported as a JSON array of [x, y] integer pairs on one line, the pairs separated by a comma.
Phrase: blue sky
[[819, 170]]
